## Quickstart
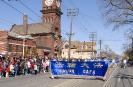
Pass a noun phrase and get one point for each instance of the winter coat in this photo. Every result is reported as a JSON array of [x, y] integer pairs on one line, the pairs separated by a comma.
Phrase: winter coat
[[44, 65]]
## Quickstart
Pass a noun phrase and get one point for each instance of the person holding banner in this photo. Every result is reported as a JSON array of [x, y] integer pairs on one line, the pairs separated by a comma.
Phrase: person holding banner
[[82, 68], [108, 70]]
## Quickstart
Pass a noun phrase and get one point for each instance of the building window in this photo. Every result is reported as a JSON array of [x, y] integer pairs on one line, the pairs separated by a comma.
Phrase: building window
[[66, 46], [16, 48], [10, 48], [89, 53], [51, 19], [56, 31], [55, 44], [84, 47], [45, 20], [29, 49]]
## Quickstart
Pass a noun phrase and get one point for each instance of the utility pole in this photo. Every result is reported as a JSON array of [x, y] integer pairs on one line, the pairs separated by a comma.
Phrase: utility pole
[[106, 48], [93, 37], [100, 42], [71, 12]]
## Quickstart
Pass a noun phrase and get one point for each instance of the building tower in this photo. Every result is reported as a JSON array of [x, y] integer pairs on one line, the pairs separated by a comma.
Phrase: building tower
[[51, 12]]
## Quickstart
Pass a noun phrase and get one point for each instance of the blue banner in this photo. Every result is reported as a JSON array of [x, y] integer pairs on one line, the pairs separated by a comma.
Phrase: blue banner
[[89, 68]]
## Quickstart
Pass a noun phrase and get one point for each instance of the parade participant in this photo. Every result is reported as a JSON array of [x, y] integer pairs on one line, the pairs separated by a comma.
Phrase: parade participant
[[113, 62], [86, 60], [124, 63], [108, 70]]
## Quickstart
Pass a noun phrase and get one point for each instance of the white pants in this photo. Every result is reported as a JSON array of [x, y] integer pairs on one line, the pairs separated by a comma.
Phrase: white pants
[[7, 74]]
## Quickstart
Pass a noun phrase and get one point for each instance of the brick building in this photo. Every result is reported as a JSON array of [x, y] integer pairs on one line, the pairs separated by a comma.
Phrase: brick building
[[12, 44], [46, 34]]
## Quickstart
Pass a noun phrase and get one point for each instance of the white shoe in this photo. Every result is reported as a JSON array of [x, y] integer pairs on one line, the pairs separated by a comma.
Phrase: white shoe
[[52, 77]]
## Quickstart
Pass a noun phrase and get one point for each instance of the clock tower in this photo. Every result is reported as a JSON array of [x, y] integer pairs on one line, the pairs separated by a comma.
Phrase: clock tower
[[51, 13]]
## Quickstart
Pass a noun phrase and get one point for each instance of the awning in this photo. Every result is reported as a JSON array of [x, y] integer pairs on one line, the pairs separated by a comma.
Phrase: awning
[[45, 50]]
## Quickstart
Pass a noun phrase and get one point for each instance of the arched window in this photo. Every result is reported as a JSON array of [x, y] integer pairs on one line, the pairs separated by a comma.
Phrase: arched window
[[66, 46], [45, 20], [55, 43], [51, 19]]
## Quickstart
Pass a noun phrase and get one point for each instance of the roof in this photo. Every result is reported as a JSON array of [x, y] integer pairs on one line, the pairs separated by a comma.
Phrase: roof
[[15, 35], [77, 45], [33, 28]]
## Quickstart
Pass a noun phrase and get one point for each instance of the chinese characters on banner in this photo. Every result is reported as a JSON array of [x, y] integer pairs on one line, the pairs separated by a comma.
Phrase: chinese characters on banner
[[89, 68]]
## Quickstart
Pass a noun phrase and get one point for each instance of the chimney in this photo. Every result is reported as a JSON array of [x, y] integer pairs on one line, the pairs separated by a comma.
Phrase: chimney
[[25, 27]]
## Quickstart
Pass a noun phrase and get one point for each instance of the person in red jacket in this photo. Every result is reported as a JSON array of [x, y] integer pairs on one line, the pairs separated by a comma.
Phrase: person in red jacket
[[7, 71], [1, 67], [31, 67]]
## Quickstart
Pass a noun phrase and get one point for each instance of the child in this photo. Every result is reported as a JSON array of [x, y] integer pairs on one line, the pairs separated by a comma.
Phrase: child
[[7, 71], [35, 68], [44, 66]]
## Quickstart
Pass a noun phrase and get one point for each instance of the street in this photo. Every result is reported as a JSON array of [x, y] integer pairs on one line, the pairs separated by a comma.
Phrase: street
[[119, 77]]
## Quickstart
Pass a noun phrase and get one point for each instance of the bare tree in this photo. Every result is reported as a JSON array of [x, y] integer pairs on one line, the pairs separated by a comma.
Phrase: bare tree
[[116, 12]]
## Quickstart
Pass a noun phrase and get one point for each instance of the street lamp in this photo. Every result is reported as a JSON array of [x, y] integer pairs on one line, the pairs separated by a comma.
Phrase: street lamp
[[24, 38]]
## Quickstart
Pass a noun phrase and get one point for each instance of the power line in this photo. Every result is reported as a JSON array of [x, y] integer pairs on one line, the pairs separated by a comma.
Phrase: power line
[[6, 21], [33, 11], [82, 17], [23, 14], [29, 9], [5, 24], [17, 10]]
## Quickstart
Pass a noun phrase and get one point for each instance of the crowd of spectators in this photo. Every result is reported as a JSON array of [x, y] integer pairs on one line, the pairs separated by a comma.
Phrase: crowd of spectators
[[15, 66]]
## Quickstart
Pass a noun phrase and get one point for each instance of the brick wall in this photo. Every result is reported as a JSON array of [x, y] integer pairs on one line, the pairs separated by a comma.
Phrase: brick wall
[[5, 42]]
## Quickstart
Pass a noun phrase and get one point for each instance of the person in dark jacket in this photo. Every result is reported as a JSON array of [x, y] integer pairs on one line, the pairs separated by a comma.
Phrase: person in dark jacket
[[16, 69]]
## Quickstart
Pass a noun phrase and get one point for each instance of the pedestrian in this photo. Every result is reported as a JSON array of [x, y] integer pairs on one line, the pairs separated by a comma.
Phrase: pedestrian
[[31, 67], [39, 64], [28, 63], [11, 69], [35, 68], [48, 64], [44, 66], [1, 67], [16, 68], [26, 68], [7, 71], [5, 63]]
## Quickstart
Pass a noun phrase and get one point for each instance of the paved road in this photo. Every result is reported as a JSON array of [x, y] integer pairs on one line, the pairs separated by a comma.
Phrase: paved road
[[44, 80], [122, 77]]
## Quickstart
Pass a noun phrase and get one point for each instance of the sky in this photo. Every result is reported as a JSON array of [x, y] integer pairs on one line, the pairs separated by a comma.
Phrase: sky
[[87, 21]]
